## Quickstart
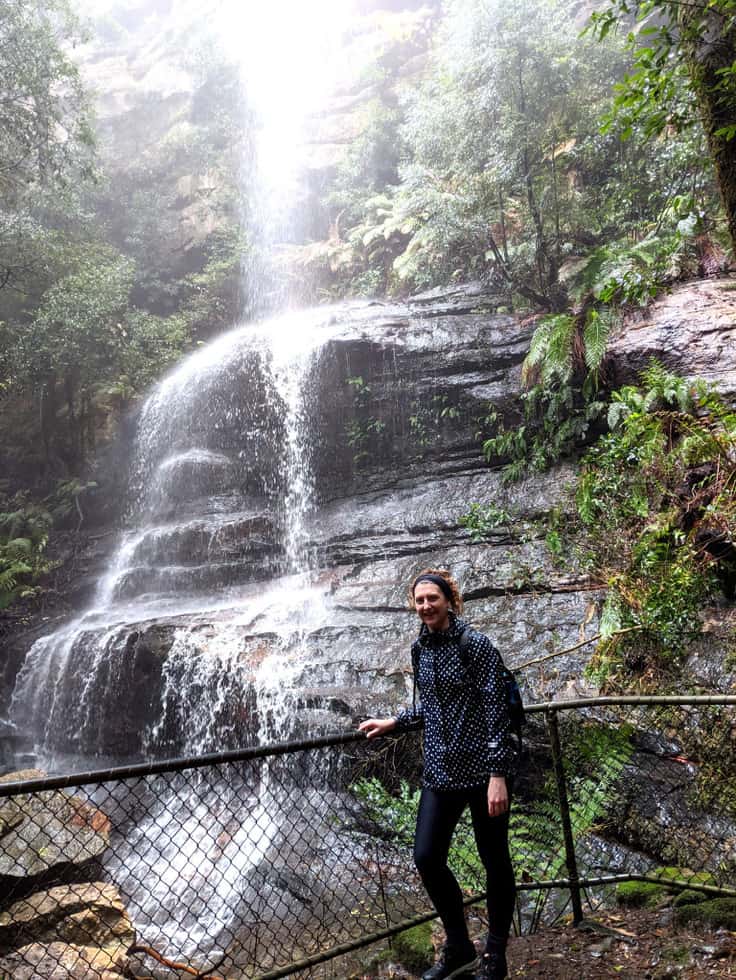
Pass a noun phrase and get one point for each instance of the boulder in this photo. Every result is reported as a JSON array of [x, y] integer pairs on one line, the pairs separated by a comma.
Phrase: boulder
[[85, 915], [63, 961], [655, 810], [47, 834]]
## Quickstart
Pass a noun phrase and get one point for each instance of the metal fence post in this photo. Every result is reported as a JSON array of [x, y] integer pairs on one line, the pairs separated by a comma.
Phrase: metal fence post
[[570, 860]]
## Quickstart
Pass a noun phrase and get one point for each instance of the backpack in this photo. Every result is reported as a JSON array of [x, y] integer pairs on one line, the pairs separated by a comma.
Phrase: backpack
[[514, 700]]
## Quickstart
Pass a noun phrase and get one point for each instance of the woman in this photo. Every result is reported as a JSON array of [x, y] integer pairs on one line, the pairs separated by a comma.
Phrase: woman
[[467, 762]]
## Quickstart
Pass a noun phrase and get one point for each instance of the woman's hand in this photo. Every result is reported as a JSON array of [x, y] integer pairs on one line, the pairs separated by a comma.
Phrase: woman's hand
[[498, 796], [374, 727]]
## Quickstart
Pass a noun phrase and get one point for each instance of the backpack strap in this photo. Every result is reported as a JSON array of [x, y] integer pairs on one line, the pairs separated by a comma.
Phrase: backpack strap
[[414, 671]]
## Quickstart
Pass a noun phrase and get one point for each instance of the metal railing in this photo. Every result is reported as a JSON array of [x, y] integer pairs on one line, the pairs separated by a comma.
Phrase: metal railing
[[269, 861]]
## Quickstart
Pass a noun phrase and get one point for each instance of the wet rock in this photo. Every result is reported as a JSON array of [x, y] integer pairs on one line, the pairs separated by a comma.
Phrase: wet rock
[[653, 810], [63, 961], [47, 834], [691, 329], [466, 297], [90, 914]]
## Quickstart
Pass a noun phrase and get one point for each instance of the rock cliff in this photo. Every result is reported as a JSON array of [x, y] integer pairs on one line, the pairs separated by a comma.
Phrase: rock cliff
[[397, 398]]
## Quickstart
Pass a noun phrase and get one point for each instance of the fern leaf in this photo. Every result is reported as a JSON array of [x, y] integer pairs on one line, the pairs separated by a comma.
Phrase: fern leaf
[[20, 546], [537, 352], [595, 339], [610, 621], [617, 412], [558, 359]]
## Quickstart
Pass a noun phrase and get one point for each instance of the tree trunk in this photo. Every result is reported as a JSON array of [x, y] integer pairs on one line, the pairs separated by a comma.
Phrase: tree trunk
[[71, 418], [709, 44], [504, 243], [47, 413]]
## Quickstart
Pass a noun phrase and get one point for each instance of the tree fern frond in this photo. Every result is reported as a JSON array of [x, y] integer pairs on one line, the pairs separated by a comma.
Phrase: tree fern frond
[[558, 360], [596, 332], [611, 616], [537, 352], [539, 342], [19, 546]]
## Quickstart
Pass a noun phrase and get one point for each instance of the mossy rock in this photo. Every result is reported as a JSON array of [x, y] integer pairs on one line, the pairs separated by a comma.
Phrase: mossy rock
[[373, 965], [636, 894], [715, 912], [413, 948], [689, 897], [685, 874]]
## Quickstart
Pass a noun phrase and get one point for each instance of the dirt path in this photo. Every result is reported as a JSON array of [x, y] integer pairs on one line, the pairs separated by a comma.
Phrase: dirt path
[[636, 945], [633, 944]]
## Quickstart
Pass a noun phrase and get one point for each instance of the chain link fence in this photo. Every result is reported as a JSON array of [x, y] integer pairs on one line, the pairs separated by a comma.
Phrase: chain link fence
[[270, 861]]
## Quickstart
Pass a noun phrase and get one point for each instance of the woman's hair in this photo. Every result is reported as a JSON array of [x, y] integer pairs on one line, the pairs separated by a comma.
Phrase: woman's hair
[[456, 600]]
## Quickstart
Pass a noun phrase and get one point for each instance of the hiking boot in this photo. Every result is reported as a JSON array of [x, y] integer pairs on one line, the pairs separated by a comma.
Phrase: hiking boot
[[493, 965], [453, 962]]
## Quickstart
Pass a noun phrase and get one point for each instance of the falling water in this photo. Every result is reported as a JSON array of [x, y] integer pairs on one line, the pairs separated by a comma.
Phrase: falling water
[[222, 495], [290, 54]]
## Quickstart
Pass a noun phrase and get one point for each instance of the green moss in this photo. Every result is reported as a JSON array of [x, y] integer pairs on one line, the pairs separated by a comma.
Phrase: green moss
[[714, 912], [689, 897], [413, 948], [373, 965], [636, 894], [671, 873]]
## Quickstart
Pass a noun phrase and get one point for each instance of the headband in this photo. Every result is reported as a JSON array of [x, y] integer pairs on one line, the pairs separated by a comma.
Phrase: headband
[[435, 580]]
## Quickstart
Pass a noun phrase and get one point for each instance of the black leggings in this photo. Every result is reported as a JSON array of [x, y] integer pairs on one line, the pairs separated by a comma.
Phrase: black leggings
[[439, 812]]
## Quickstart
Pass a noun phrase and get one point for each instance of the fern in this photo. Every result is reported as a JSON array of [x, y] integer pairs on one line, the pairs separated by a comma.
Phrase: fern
[[622, 272], [537, 349], [596, 332], [19, 546], [660, 532], [664, 389], [611, 616], [23, 540], [551, 350]]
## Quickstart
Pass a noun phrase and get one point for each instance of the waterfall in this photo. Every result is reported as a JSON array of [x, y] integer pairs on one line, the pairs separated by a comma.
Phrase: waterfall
[[291, 55], [224, 489], [217, 550]]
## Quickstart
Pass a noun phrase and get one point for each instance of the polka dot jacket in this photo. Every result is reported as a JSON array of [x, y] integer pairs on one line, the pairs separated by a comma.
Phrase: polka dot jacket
[[462, 706]]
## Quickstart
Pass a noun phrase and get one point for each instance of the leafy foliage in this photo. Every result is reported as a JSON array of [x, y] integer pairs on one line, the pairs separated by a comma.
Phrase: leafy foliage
[[482, 519], [46, 141], [557, 419], [684, 70], [108, 293], [23, 537], [657, 499], [496, 167], [567, 351], [657, 91]]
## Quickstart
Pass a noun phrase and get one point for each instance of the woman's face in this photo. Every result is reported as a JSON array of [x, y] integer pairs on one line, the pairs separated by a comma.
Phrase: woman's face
[[432, 606]]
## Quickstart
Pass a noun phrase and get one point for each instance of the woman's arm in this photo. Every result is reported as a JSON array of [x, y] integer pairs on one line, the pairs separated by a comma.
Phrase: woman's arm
[[375, 727], [408, 719]]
